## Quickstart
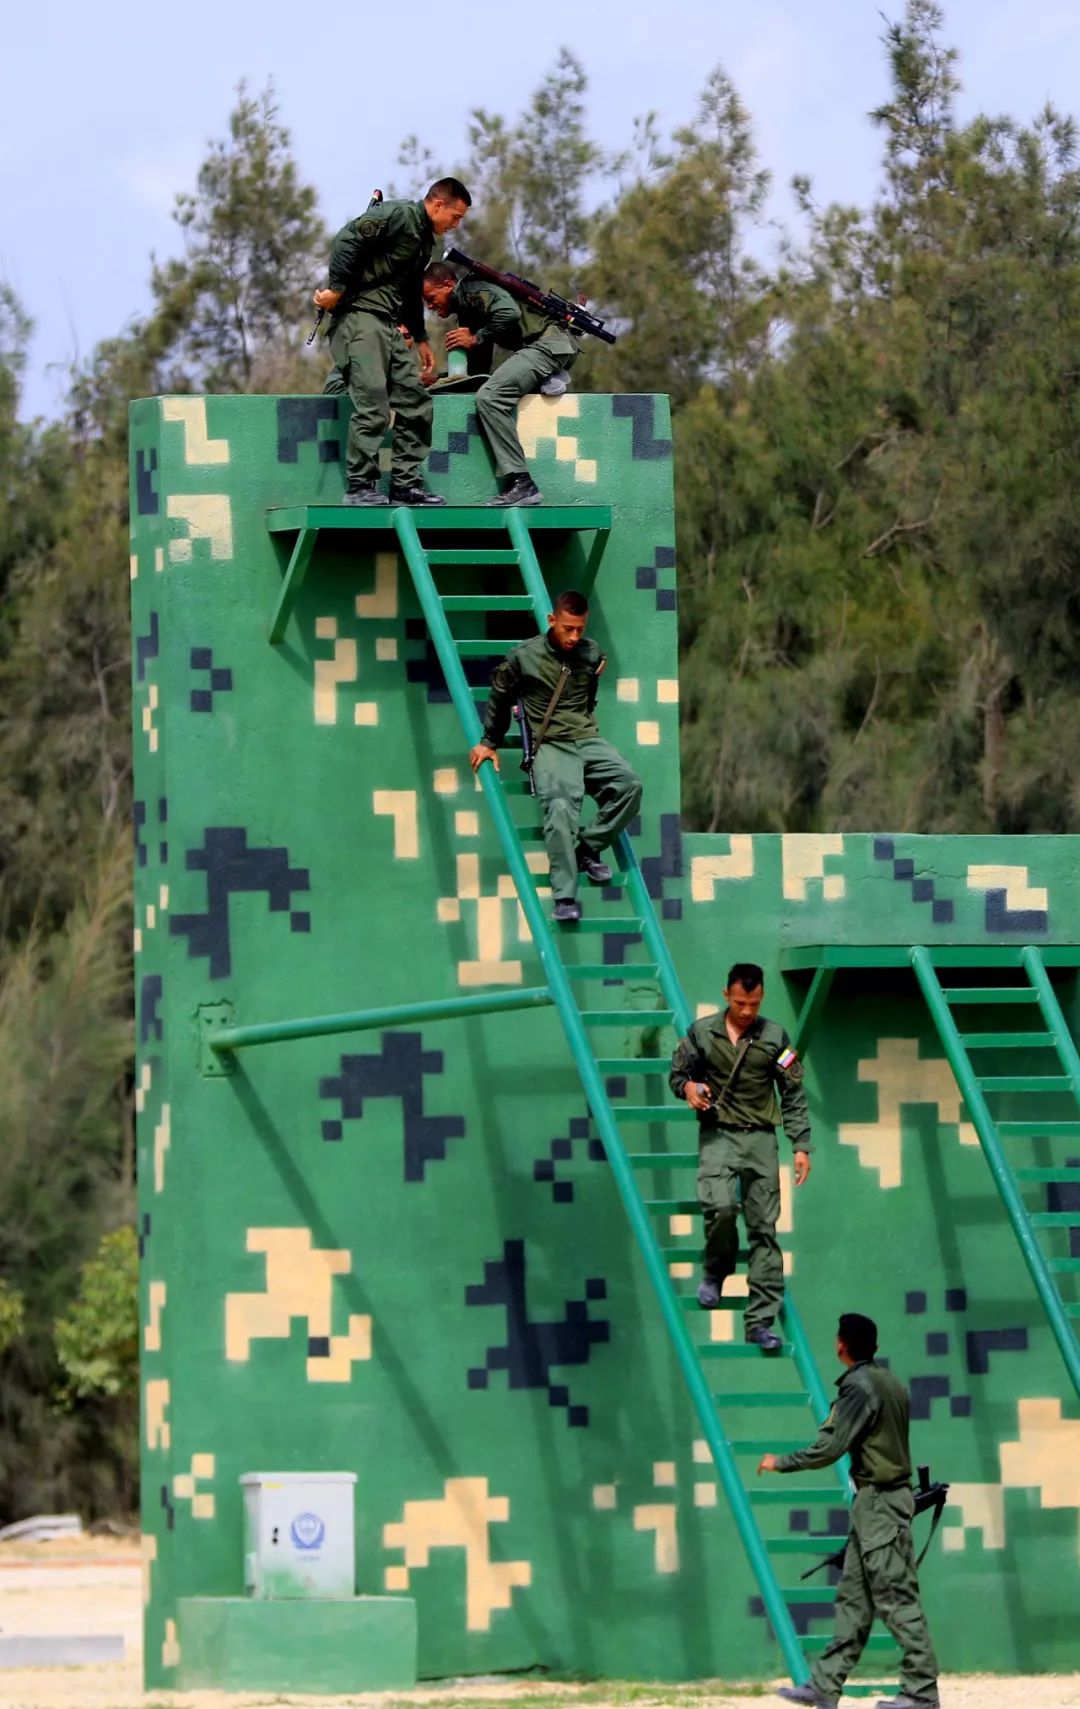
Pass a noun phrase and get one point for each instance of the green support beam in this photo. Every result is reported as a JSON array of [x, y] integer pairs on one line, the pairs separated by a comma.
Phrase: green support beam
[[364, 1020]]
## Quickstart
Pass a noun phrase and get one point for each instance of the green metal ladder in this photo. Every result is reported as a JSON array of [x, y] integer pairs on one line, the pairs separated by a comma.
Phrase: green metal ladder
[[996, 1133], [715, 1409]]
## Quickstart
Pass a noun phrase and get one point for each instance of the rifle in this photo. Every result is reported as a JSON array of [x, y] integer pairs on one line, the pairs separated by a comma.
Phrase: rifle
[[527, 749], [571, 315], [928, 1496], [376, 198]]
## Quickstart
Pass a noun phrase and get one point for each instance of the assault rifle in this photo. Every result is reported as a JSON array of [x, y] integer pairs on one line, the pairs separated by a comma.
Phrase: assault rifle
[[376, 198], [574, 316], [929, 1497], [527, 750]]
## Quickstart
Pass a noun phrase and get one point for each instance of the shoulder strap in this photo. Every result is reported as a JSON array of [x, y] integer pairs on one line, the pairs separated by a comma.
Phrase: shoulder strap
[[741, 1050], [556, 693], [594, 681]]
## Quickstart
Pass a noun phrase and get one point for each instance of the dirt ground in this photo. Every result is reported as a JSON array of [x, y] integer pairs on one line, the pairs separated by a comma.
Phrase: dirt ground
[[94, 1586]]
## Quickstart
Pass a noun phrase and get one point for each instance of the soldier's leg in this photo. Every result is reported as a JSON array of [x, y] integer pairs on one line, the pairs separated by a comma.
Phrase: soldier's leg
[[853, 1616], [560, 787], [413, 410], [360, 347], [719, 1208], [498, 398], [894, 1586], [760, 1181], [616, 788]]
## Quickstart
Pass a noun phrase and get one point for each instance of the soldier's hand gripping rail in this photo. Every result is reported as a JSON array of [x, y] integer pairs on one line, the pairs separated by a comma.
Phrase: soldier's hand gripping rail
[[574, 316]]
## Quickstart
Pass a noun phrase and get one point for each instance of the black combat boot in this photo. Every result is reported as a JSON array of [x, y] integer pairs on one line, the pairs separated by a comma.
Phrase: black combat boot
[[367, 493], [520, 490], [592, 866], [567, 912], [416, 495], [763, 1335]]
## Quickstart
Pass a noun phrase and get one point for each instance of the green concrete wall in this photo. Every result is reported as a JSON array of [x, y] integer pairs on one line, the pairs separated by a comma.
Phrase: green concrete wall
[[401, 1254]]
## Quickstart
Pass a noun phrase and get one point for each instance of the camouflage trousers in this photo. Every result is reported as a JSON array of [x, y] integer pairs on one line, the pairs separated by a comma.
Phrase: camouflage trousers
[[879, 1577]]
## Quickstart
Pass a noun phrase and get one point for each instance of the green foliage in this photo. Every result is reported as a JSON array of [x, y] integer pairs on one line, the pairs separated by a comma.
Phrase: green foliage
[[12, 1315], [97, 1339]]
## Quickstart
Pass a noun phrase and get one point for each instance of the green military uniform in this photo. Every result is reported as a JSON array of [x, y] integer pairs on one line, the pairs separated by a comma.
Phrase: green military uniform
[[869, 1421], [377, 262], [573, 760], [540, 348], [738, 1151]]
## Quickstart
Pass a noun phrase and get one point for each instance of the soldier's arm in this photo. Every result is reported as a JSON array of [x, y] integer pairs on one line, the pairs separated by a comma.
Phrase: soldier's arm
[[851, 1416], [794, 1110], [502, 324], [687, 1064], [504, 690]]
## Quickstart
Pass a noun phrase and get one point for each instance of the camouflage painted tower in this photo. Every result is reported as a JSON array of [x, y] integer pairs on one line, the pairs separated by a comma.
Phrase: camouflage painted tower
[[402, 1251]]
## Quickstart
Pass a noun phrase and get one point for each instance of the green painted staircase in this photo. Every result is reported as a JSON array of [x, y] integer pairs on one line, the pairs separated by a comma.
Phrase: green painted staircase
[[1042, 1112], [733, 1388]]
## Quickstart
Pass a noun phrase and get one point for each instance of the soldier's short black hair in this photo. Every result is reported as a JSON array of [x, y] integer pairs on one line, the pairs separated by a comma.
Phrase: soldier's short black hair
[[450, 190], [859, 1334], [747, 974], [572, 602], [441, 273]]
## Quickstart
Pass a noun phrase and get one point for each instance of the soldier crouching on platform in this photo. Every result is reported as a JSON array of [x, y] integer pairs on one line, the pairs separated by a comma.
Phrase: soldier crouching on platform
[[376, 271], [555, 678], [543, 353], [869, 1421], [729, 1068]]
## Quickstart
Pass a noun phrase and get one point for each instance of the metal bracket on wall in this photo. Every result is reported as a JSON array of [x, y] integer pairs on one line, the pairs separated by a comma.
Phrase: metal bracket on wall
[[212, 1019]]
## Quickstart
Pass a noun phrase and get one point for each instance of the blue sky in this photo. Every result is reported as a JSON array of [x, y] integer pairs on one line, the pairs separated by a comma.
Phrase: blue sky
[[106, 109]]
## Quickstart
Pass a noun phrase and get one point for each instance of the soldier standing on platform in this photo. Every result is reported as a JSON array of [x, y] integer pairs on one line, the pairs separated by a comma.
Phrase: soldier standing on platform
[[555, 678], [543, 353], [730, 1068], [869, 1421], [376, 271]]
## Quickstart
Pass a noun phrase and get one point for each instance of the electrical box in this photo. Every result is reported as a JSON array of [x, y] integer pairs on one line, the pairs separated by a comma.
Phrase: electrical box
[[299, 1534]]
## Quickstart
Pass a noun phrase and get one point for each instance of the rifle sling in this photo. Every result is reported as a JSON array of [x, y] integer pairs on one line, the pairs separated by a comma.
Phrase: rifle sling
[[556, 694], [837, 1559]]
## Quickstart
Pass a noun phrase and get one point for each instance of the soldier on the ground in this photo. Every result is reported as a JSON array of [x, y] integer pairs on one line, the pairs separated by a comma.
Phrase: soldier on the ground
[[375, 296], [543, 352], [869, 1421], [555, 678], [730, 1068]]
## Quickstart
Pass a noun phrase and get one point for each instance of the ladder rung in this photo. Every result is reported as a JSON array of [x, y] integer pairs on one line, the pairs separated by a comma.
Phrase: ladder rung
[[1072, 1308], [768, 1445], [803, 1543], [1064, 1266], [622, 971], [1038, 1130], [627, 1017], [674, 1207], [1007, 1041], [816, 1496], [1025, 1083], [735, 1303], [860, 1688], [961, 996], [470, 555], [482, 602], [807, 1593], [821, 1640], [630, 924], [1064, 1173], [789, 1397], [529, 833], [514, 785], [485, 649], [655, 1113], [480, 695], [620, 1065], [1054, 1219], [740, 1350]]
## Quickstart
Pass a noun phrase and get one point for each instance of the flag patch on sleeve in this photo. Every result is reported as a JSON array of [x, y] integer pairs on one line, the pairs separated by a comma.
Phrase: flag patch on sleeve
[[786, 1058]]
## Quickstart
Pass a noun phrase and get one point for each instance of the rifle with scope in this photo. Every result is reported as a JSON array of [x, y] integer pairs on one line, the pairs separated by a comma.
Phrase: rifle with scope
[[574, 316]]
